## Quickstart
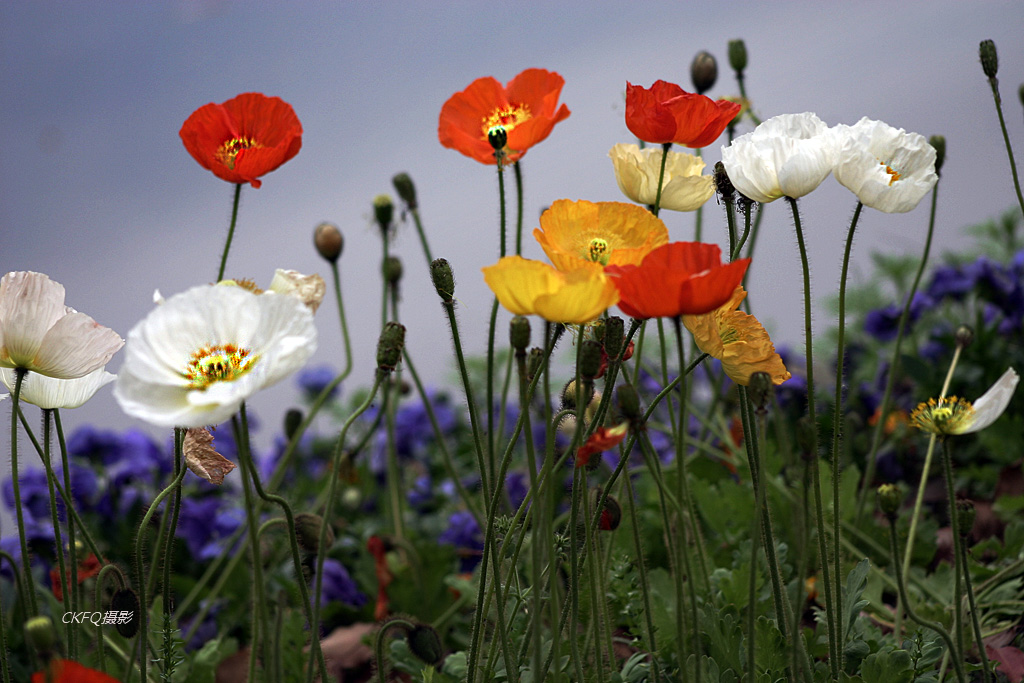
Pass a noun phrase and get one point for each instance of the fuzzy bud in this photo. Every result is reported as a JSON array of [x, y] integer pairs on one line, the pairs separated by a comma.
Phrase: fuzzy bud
[[533, 362], [426, 644], [965, 516], [391, 269], [590, 360], [40, 634], [989, 58], [307, 532], [292, 420], [939, 143], [722, 182], [383, 211], [498, 137], [738, 55], [125, 600], [443, 279], [761, 388], [611, 513], [703, 72], [890, 499], [629, 402], [519, 333], [405, 189], [613, 336], [569, 394], [964, 335], [389, 348], [328, 241]]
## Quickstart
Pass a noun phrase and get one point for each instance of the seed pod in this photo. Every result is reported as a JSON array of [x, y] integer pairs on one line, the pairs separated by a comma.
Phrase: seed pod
[[405, 189], [443, 279], [126, 601], [703, 72], [738, 55], [328, 241]]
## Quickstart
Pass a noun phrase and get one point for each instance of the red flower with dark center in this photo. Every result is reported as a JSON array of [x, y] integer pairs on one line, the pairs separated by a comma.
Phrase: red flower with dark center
[[67, 671], [527, 108], [601, 440], [667, 113], [243, 138], [88, 567], [681, 278]]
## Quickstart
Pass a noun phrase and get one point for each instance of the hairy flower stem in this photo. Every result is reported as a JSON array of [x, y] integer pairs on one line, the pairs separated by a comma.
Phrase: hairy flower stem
[[332, 494], [31, 608], [730, 220], [519, 207], [837, 418], [883, 411], [994, 83], [422, 234], [231, 232], [901, 587], [378, 645], [536, 557], [962, 560], [823, 557], [665, 147], [734, 253], [57, 536], [959, 566], [76, 590], [489, 406]]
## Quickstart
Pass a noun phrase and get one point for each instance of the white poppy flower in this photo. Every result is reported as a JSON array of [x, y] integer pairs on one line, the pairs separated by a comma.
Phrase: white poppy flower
[[39, 333], [194, 359], [683, 188], [50, 393], [955, 415], [887, 168], [309, 288], [786, 156]]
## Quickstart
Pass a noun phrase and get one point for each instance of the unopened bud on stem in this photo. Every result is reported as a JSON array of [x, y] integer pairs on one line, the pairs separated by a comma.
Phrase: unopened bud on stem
[[383, 211], [328, 241], [939, 143], [738, 56], [443, 279], [989, 58], [964, 335], [703, 72], [405, 189], [389, 348]]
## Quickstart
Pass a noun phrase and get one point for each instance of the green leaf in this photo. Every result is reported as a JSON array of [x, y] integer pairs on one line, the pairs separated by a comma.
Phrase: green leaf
[[892, 666], [769, 647], [852, 602]]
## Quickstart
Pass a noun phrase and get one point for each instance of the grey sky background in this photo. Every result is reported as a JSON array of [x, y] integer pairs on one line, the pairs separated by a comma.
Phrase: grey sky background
[[99, 193]]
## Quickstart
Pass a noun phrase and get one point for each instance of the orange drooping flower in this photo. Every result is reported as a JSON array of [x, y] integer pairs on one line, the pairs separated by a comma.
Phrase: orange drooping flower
[[610, 233], [680, 278], [527, 108], [601, 440], [527, 287], [738, 340], [243, 138], [667, 113], [88, 567], [67, 671]]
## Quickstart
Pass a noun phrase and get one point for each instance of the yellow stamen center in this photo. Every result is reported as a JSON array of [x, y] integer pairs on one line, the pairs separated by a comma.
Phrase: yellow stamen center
[[893, 173], [218, 363], [507, 117], [229, 149], [599, 251], [952, 415]]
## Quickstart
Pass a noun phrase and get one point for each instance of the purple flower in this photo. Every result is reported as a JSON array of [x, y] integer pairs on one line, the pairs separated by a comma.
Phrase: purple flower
[[205, 524], [949, 281], [464, 534], [413, 431], [313, 380], [338, 586], [35, 494]]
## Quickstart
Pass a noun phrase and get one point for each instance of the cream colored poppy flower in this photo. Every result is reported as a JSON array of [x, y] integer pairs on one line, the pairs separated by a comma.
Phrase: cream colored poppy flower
[[683, 187]]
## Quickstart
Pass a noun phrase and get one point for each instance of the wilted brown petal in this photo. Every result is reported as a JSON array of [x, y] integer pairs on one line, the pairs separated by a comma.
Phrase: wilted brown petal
[[203, 459]]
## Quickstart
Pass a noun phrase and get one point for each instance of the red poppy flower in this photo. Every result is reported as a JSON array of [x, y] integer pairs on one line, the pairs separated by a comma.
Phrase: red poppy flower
[[601, 440], [88, 567], [681, 278], [667, 113], [525, 108], [67, 671], [243, 138], [378, 547]]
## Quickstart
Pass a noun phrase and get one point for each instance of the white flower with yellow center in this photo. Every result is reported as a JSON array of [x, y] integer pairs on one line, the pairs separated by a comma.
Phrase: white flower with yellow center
[[887, 168], [683, 188], [49, 392], [953, 415], [194, 359]]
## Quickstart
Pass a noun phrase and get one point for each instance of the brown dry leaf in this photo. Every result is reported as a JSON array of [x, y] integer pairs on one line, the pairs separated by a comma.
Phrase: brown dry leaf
[[201, 457]]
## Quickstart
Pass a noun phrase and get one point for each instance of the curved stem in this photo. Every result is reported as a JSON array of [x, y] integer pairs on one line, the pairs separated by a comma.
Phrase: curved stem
[[32, 609], [994, 82], [231, 232]]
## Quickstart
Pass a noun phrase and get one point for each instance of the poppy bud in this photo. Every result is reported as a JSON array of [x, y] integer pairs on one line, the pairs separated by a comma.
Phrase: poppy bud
[[939, 143], [965, 516], [964, 335], [125, 600], [392, 270], [424, 642], [443, 279], [389, 348], [569, 394], [590, 359], [738, 56], [519, 333], [292, 420], [611, 514], [890, 498], [613, 336], [989, 58], [533, 362], [629, 402], [383, 211], [1020, 93], [722, 182], [307, 532], [405, 189], [703, 72], [328, 241], [760, 389], [498, 137], [40, 634]]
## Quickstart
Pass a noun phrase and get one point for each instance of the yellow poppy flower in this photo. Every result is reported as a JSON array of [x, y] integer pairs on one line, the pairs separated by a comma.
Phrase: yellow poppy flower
[[608, 233], [527, 287], [738, 340]]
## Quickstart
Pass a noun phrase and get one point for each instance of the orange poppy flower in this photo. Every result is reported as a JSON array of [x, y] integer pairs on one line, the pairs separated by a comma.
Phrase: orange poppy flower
[[667, 113], [609, 233], [243, 138], [603, 439], [738, 340], [67, 671], [525, 108], [676, 279]]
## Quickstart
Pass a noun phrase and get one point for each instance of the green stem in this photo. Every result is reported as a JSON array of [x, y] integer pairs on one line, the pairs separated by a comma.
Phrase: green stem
[[76, 591], [665, 147], [975, 621], [231, 232], [833, 635], [745, 206], [32, 609], [994, 82], [519, 208], [958, 565], [57, 536], [423, 235]]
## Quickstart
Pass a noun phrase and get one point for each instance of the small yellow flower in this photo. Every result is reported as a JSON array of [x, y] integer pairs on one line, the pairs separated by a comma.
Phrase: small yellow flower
[[527, 287], [738, 340], [952, 415], [683, 187], [608, 233]]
